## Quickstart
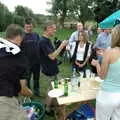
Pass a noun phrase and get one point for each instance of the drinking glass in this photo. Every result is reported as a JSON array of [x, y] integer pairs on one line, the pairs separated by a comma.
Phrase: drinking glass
[[81, 74], [88, 73], [93, 75]]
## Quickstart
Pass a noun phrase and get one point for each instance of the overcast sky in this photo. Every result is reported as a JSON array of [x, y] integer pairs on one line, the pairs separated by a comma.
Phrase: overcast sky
[[37, 6]]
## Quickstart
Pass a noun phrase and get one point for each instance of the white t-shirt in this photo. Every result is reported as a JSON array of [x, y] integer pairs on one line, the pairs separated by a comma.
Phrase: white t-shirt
[[80, 51]]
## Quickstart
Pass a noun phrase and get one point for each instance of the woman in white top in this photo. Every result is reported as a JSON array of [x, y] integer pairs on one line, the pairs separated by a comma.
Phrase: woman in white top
[[80, 52]]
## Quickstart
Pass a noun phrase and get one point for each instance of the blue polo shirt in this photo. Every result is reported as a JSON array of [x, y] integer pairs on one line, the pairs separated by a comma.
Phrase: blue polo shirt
[[30, 47], [49, 67], [103, 41]]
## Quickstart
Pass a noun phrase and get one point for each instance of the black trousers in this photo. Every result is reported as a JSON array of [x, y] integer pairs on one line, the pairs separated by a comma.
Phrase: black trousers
[[80, 69], [35, 71]]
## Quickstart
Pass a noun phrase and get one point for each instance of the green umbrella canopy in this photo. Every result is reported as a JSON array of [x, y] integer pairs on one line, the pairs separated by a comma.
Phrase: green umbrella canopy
[[111, 20]]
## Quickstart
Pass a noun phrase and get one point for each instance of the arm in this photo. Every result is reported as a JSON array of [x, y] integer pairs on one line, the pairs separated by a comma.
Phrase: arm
[[86, 60], [72, 49], [88, 55], [53, 55], [24, 89], [72, 38], [103, 69]]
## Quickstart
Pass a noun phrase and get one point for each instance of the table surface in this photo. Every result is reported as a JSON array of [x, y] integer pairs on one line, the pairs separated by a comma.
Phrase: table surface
[[87, 91]]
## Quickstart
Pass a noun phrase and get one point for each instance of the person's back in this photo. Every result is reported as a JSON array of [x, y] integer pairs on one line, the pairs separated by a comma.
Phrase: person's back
[[13, 74], [102, 40], [112, 82], [108, 98], [11, 66]]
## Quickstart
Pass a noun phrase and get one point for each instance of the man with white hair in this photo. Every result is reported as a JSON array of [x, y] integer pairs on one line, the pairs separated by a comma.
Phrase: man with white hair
[[74, 36]]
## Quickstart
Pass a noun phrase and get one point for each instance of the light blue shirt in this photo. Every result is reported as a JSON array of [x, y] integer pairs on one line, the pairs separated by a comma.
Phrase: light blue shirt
[[103, 41], [73, 37]]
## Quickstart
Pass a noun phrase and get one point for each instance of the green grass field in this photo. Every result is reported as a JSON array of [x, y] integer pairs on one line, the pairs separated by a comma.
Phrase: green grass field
[[65, 68], [1, 34]]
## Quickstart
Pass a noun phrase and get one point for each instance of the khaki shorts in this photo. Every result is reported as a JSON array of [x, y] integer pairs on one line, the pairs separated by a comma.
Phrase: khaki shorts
[[10, 109]]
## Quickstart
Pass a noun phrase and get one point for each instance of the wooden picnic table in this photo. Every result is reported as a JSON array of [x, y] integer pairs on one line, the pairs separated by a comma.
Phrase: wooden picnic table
[[86, 92]]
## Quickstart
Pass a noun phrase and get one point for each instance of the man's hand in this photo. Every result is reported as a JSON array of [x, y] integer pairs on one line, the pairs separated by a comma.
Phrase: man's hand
[[53, 55], [24, 89], [64, 44], [100, 52]]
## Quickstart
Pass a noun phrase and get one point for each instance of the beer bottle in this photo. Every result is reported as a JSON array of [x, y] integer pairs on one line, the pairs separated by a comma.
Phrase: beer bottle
[[56, 82], [65, 88]]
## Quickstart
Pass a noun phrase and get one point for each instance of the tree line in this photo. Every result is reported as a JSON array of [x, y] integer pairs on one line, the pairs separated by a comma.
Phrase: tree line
[[78, 10], [83, 10], [18, 16]]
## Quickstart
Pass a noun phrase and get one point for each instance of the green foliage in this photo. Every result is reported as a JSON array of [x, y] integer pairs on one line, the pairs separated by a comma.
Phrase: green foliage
[[102, 9], [18, 17], [6, 18], [78, 9], [83, 10], [60, 8], [23, 11], [4, 13], [18, 20], [63, 34]]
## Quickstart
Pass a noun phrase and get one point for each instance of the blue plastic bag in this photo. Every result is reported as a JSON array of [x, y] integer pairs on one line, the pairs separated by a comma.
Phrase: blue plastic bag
[[83, 113]]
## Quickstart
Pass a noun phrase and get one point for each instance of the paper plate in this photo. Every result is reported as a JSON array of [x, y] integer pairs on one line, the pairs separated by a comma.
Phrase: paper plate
[[55, 93]]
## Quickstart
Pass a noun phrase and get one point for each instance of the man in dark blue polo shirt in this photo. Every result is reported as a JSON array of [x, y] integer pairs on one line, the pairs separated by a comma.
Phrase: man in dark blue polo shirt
[[30, 48], [13, 74], [48, 57]]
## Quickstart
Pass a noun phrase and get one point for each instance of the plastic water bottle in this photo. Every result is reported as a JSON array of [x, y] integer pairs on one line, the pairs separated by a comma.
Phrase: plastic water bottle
[[74, 80]]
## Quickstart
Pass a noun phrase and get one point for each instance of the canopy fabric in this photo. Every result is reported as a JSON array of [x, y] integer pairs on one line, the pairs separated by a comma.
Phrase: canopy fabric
[[111, 20]]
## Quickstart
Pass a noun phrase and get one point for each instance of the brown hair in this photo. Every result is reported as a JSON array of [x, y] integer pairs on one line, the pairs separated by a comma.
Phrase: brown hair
[[85, 36], [115, 37], [47, 24], [28, 20], [13, 30]]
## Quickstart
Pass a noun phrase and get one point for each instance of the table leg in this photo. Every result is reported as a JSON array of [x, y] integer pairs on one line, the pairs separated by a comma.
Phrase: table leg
[[62, 112]]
